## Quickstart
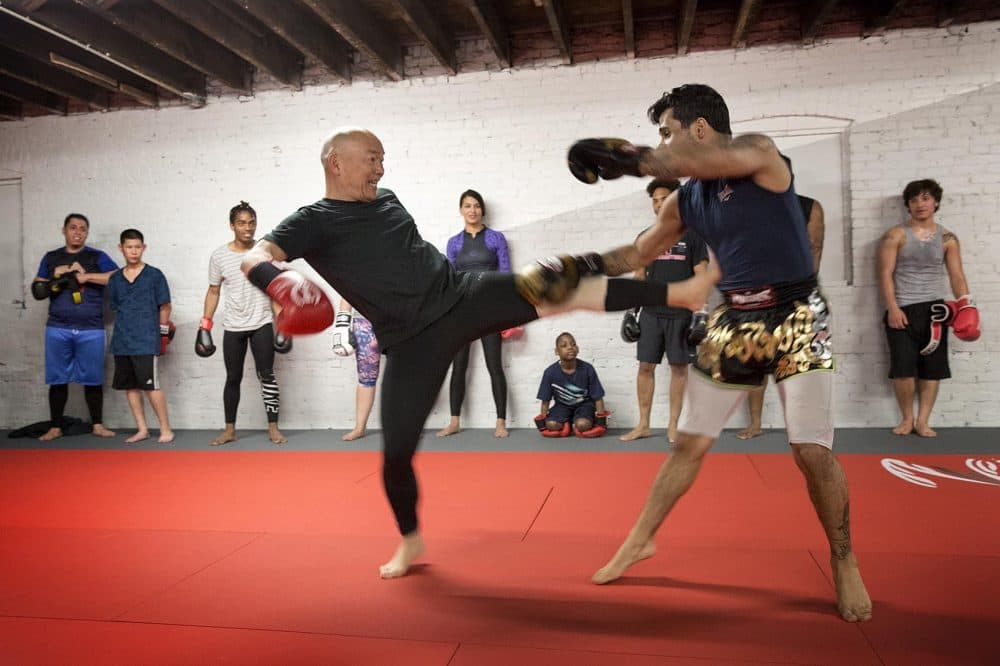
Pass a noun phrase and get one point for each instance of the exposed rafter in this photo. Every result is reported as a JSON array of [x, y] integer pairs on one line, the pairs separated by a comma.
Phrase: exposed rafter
[[559, 27], [176, 38], [428, 28], [53, 79], [32, 94], [299, 27], [10, 109], [685, 23], [814, 16], [884, 12], [744, 21], [493, 27], [946, 11], [629, 20], [280, 60], [120, 46], [48, 48], [364, 31]]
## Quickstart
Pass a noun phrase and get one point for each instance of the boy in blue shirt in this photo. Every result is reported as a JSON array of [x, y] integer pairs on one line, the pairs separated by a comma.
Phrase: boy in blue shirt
[[140, 298], [573, 386]]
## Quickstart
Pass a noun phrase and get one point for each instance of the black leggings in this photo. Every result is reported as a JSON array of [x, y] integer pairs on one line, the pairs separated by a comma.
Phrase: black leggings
[[234, 352], [416, 367], [491, 352], [59, 394]]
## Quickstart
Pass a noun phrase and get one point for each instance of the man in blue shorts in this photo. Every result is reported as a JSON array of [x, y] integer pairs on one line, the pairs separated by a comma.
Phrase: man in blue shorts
[[73, 279]]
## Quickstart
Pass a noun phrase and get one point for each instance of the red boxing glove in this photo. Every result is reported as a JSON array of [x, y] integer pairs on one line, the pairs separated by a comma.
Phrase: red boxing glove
[[512, 333], [305, 308], [540, 424], [965, 318], [166, 335], [597, 430]]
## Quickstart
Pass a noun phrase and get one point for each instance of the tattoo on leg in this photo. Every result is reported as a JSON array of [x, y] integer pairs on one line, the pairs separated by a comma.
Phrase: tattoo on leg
[[840, 543]]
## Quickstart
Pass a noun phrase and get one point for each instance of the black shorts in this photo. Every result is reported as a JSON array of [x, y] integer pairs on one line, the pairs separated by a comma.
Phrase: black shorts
[[781, 330], [136, 372], [663, 335], [905, 344], [564, 413]]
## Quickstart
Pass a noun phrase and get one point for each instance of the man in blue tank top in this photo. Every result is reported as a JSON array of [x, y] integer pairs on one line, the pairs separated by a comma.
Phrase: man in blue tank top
[[740, 199]]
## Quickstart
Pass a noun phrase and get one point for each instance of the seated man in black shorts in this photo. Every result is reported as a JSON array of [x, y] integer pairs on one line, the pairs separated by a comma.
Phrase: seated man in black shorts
[[363, 241]]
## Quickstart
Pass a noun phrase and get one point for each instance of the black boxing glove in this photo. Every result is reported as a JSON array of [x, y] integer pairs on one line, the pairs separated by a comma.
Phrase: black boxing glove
[[203, 345], [591, 159], [40, 290], [630, 330], [698, 328], [282, 343]]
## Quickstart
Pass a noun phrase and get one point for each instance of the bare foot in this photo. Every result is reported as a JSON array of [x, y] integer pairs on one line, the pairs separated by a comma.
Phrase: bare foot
[[638, 432], [357, 433], [924, 430], [905, 427], [275, 435], [410, 548], [749, 433], [449, 429], [226, 437], [138, 437], [166, 436], [53, 433], [100, 431], [853, 601], [626, 556], [501, 430]]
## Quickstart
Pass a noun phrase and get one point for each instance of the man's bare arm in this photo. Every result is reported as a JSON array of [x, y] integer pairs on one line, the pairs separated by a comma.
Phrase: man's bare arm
[[748, 155], [888, 250], [816, 228], [953, 264], [264, 250], [666, 231]]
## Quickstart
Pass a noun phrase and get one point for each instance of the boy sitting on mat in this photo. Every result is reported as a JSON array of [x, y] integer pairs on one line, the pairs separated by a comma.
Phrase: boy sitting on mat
[[577, 394]]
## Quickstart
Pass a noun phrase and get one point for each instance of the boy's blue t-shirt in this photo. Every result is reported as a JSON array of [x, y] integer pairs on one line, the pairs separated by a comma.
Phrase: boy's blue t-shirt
[[570, 389], [137, 311], [63, 311]]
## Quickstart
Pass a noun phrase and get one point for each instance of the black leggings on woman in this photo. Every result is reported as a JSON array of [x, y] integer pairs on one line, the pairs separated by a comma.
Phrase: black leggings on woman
[[416, 367], [234, 352], [491, 353]]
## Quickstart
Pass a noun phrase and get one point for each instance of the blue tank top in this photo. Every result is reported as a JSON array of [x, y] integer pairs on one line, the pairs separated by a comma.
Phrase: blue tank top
[[758, 236]]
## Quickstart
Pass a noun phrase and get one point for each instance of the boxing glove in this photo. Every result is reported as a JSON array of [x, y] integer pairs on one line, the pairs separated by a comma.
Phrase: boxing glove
[[343, 342], [542, 428], [553, 279], [591, 159], [203, 345], [965, 318], [514, 333], [698, 330], [630, 331], [597, 430], [40, 290], [282, 343], [305, 308], [167, 332]]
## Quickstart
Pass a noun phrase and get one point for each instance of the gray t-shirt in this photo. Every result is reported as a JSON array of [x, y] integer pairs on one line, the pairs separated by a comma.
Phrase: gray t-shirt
[[919, 274]]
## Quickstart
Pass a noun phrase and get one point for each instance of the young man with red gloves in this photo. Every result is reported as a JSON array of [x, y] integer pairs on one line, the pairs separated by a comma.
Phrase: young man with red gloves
[[362, 241], [913, 258]]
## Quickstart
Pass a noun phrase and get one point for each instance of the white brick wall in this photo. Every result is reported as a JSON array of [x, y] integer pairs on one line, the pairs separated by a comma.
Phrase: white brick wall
[[920, 103]]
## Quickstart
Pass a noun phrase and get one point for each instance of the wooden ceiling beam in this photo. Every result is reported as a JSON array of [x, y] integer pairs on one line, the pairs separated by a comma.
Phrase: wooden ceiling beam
[[744, 21], [559, 27], [297, 26], [814, 16], [946, 12], [166, 32], [685, 24], [431, 31], [365, 31], [278, 59], [120, 46], [10, 109], [628, 18], [27, 92], [48, 48], [53, 79], [492, 26], [885, 11]]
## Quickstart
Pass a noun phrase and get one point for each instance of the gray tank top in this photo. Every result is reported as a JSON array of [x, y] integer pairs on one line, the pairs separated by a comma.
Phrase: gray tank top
[[919, 274]]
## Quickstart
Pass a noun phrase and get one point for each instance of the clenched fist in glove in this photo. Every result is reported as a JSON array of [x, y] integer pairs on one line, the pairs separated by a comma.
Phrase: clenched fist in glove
[[203, 345], [591, 159], [553, 279], [630, 326], [167, 332], [343, 341], [305, 307], [698, 329], [964, 318]]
